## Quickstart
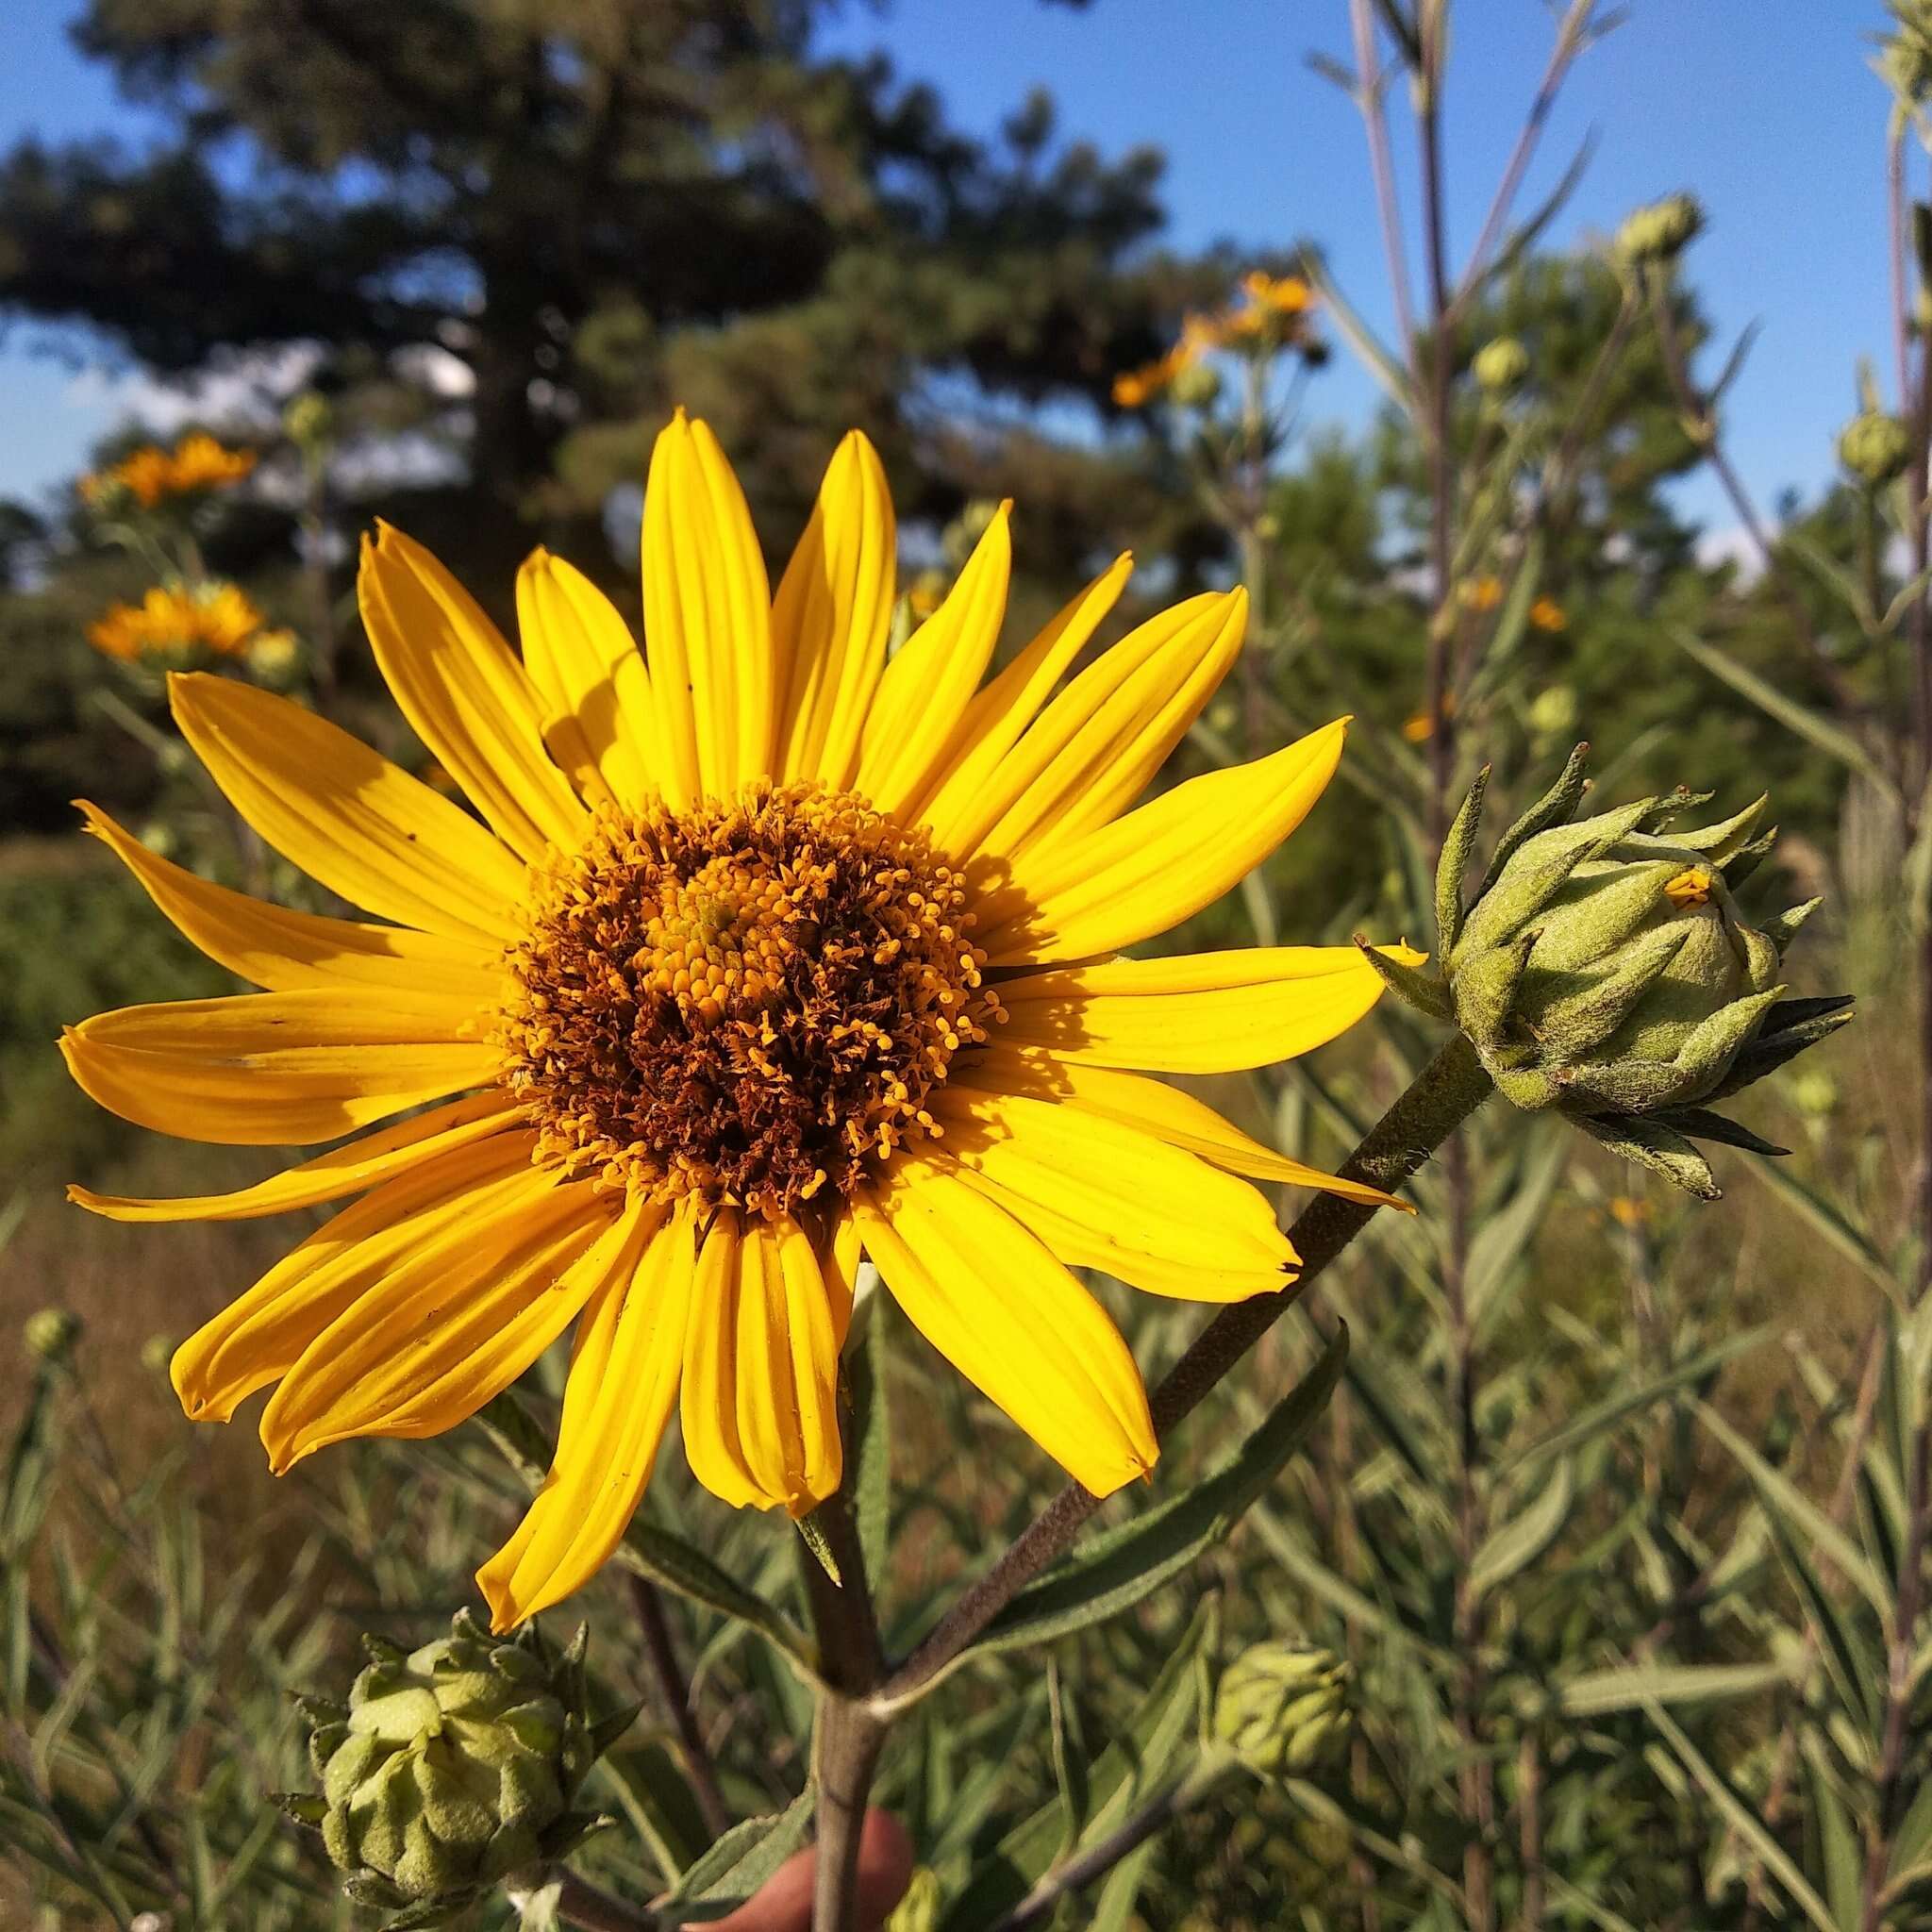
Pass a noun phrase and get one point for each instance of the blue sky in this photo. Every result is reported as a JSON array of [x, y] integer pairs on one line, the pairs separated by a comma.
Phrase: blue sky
[[1765, 107]]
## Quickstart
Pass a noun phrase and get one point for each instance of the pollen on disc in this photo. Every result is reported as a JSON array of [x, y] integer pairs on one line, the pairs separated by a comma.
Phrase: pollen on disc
[[750, 1001]]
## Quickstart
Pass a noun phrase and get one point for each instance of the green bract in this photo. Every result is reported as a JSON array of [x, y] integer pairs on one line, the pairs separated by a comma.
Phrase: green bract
[[452, 1767], [1284, 1706], [1605, 971]]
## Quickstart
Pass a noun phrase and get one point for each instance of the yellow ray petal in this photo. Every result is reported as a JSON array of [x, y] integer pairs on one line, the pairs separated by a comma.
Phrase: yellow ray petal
[[274, 1069], [761, 1370], [1070, 898], [346, 816], [590, 675], [1101, 1195], [455, 1322], [961, 806], [707, 619], [841, 1261], [923, 696], [1099, 744], [467, 697], [1196, 1012], [831, 618], [991, 1298], [365, 1163], [285, 951], [622, 1384], [1159, 1109], [261, 1335]]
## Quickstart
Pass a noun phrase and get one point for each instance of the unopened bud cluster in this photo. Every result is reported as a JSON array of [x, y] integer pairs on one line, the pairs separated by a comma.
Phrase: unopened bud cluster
[[1501, 366], [1661, 232], [1875, 448], [452, 1767], [1284, 1707], [1605, 971]]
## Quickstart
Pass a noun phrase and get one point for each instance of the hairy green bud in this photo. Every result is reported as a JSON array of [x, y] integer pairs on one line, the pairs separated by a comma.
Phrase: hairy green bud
[[1605, 972], [452, 1767], [1661, 232], [1284, 1706], [1875, 448], [1502, 366], [308, 420], [51, 1333]]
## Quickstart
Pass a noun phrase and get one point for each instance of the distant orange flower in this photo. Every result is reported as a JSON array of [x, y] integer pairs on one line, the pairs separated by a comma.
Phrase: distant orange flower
[[175, 621], [1482, 593], [1284, 295], [151, 474], [1420, 727], [1547, 614]]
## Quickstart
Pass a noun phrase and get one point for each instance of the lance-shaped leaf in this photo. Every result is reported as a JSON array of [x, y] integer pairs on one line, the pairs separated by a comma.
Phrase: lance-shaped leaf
[[1452, 867], [1660, 1149], [738, 1863], [1519, 1542], [1163, 1730], [1112, 1572]]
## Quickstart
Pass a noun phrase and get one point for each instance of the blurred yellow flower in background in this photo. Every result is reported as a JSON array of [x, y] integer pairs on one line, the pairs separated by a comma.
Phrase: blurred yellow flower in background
[[151, 474], [760, 950], [174, 621], [1482, 593], [1547, 614]]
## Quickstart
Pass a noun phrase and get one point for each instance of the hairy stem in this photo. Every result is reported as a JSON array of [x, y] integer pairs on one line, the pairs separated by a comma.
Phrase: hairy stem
[[847, 1732], [580, 1903], [1441, 1097]]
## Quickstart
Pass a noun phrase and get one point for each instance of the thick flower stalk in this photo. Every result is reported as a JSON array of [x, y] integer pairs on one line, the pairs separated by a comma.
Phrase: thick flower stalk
[[452, 1767], [1605, 971], [761, 952]]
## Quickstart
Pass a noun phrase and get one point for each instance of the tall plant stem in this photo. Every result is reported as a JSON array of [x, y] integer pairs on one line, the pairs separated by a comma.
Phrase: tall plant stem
[[1441, 1097], [847, 1732], [1369, 84], [673, 1695]]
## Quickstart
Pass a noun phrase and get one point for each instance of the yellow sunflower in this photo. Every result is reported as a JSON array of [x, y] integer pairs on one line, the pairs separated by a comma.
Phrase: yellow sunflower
[[760, 951]]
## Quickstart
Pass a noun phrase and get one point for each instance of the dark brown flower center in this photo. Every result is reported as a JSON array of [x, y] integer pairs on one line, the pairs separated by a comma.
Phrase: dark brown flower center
[[750, 1000]]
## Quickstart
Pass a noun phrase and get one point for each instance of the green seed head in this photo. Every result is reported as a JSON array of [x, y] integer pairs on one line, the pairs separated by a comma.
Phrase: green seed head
[[452, 1767], [1284, 1706], [51, 1333]]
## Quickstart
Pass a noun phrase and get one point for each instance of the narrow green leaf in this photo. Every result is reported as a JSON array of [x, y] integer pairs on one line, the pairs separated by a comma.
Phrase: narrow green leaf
[[1161, 1729], [1780, 1496], [740, 1862], [1114, 1570], [1521, 1540], [1505, 1237], [1837, 1842], [1629, 1687], [1826, 1220], [1743, 1820], [1607, 1414], [1802, 719]]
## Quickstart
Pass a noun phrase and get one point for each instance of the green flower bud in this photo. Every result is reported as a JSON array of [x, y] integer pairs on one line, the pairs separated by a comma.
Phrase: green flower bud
[[1197, 387], [452, 1767], [1661, 232], [1552, 711], [1814, 1092], [1605, 972], [1875, 448], [1284, 1706], [51, 1333], [966, 529], [1502, 366]]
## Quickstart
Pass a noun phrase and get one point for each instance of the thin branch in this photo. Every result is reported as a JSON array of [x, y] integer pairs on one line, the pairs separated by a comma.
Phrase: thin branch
[[580, 1903], [1369, 83], [673, 1699], [1444, 1094], [1569, 43]]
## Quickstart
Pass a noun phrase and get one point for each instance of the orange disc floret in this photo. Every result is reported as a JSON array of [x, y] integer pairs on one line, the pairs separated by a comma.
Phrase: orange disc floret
[[749, 1002]]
